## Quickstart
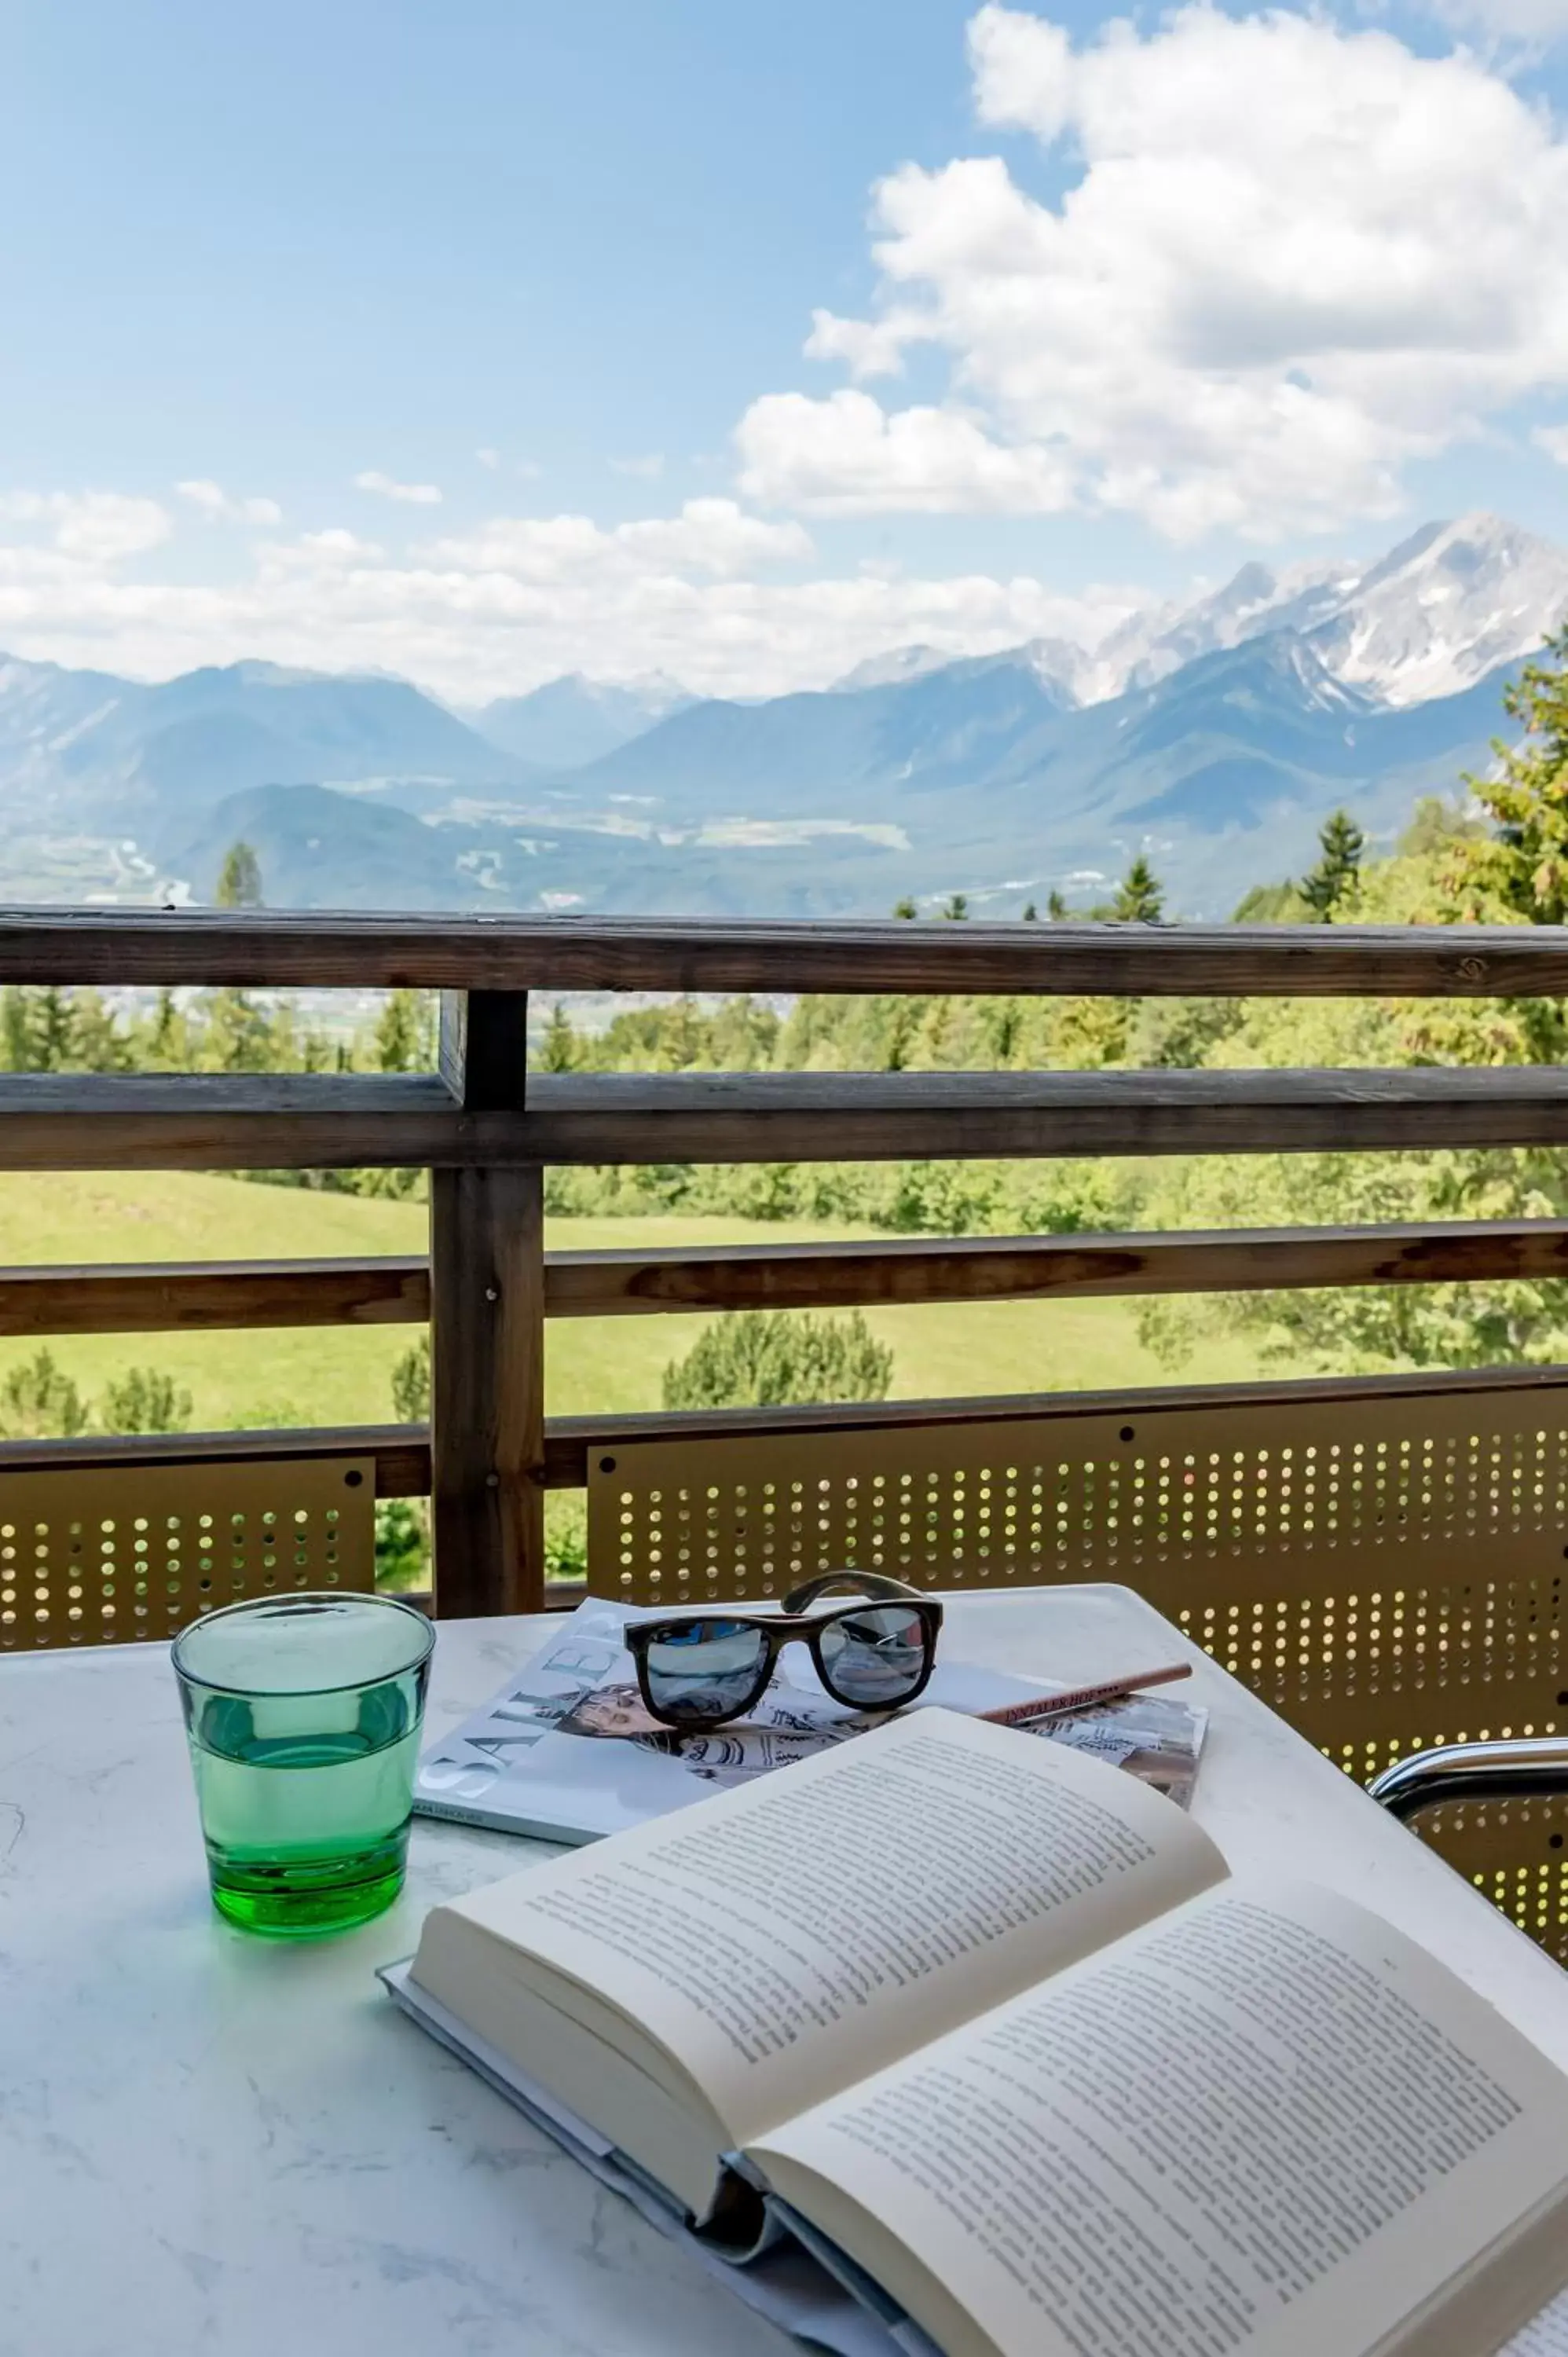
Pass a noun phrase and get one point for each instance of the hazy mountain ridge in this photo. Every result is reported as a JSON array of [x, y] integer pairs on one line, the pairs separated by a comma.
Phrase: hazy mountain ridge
[[1216, 735]]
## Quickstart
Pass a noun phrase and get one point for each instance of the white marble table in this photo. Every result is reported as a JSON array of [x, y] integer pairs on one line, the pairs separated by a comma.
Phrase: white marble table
[[217, 2142]]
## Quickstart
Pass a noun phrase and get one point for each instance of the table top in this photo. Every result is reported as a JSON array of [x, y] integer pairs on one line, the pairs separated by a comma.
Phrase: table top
[[212, 2141]]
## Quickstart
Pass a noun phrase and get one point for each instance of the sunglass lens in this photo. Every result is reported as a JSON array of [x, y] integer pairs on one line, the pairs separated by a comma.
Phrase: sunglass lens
[[876, 1655], [699, 1671]]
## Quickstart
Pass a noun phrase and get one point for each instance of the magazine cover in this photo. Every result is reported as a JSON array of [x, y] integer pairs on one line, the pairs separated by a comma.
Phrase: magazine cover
[[567, 1752]]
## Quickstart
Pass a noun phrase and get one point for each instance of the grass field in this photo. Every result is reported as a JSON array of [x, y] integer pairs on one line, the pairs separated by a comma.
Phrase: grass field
[[342, 1375]]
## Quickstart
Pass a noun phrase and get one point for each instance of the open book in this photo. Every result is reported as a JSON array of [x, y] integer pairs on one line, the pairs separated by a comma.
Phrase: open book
[[987, 2025]]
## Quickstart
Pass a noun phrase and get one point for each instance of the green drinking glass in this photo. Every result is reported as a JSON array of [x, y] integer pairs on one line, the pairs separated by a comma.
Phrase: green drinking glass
[[304, 1714]]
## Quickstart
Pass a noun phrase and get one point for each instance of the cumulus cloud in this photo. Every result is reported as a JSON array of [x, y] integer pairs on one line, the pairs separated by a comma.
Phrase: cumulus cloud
[[730, 602], [86, 528], [710, 536], [415, 495], [846, 456], [1290, 258], [215, 505], [1533, 24]]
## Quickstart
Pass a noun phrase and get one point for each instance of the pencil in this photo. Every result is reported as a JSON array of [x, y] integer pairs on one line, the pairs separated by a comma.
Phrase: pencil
[[1016, 1713]]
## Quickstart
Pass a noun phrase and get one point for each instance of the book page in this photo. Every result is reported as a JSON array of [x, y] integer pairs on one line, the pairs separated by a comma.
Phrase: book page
[[785, 1937], [1545, 2336], [1268, 2125]]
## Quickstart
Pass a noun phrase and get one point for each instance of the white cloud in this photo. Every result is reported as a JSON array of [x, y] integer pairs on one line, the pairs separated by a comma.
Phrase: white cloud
[[1554, 440], [490, 458], [846, 456], [417, 495], [649, 468], [215, 505], [88, 528], [1535, 23], [709, 536], [1292, 258], [517, 600]]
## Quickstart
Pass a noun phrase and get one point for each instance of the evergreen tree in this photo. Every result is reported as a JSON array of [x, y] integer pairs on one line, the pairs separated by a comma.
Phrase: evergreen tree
[[401, 1029], [957, 908], [410, 1384], [744, 1360], [100, 1045], [38, 1400], [239, 879], [905, 907], [167, 1043], [1342, 844], [143, 1399], [1140, 896], [558, 1048], [56, 1036], [1031, 914], [1521, 867], [16, 1029], [237, 1035], [1056, 908]]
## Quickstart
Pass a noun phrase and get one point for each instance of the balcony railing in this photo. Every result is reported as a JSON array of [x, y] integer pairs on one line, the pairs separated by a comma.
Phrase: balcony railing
[[487, 1130]]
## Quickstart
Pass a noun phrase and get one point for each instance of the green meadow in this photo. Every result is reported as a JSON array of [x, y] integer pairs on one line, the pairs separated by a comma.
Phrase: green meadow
[[341, 1375]]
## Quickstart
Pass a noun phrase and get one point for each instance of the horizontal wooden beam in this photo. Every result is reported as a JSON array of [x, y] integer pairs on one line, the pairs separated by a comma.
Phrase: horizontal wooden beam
[[198, 1297], [195, 1296], [349, 950], [1014, 1268], [90, 1122]]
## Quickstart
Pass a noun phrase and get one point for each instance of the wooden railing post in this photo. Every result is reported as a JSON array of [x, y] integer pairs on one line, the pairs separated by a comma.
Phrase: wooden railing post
[[487, 1332]]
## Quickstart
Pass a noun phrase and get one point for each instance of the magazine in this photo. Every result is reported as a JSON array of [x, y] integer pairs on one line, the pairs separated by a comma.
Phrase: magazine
[[567, 1752]]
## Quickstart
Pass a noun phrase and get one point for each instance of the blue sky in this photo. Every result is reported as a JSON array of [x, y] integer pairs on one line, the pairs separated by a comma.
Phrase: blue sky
[[1147, 305]]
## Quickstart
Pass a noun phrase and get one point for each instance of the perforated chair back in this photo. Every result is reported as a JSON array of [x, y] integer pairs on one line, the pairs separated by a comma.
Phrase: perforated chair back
[[110, 1555], [1383, 1567]]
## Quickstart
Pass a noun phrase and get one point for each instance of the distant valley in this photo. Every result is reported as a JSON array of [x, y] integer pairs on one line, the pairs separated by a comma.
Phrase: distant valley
[[1215, 736]]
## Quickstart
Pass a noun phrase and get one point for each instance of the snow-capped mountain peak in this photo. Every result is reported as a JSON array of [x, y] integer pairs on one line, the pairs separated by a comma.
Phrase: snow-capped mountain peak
[[892, 669], [1450, 604]]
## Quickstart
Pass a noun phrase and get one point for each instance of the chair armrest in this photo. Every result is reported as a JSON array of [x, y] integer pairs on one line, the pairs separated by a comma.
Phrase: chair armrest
[[1527, 1769]]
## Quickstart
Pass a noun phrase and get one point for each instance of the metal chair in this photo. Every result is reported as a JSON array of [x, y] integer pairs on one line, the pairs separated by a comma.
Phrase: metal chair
[[1453, 1774]]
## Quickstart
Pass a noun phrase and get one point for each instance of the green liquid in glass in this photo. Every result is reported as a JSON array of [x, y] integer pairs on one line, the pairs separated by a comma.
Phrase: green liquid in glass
[[304, 1796]]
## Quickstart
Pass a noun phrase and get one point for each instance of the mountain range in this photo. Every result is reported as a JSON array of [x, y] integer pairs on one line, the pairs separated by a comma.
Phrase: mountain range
[[1215, 735]]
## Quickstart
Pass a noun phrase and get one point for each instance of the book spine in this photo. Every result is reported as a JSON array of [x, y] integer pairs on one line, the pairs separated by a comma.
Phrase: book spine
[[453, 1809]]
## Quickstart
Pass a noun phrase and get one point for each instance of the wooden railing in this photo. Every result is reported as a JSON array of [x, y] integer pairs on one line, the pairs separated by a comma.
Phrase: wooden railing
[[486, 1130]]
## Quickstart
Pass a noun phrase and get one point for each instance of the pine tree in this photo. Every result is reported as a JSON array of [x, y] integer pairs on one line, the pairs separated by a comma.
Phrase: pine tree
[[143, 1399], [1522, 866], [166, 1041], [744, 1360], [38, 1400], [558, 1048], [1342, 844], [905, 907], [1056, 908], [238, 1035], [402, 1044], [1031, 914], [16, 1029], [100, 1045], [239, 879], [55, 1035], [410, 1384], [957, 909], [1140, 896]]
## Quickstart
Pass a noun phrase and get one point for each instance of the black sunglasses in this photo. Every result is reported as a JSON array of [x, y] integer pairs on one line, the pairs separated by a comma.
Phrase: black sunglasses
[[706, 1667]]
